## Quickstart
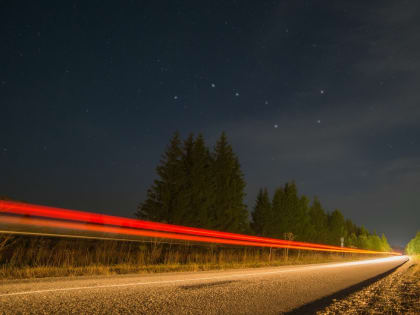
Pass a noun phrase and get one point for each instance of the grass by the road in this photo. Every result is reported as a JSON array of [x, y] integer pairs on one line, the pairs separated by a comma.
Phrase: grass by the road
[[34, 257]]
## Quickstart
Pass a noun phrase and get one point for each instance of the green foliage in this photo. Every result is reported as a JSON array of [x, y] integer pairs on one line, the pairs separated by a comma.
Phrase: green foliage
[[318, 228], [289, 213], [336, 227], [198, 184], [262, 214], [413, 247], [230, 212], [166, 199], [198, 188], [277, 223]]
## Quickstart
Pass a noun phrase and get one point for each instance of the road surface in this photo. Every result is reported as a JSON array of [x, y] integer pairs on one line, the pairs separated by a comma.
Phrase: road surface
[[250, 291]]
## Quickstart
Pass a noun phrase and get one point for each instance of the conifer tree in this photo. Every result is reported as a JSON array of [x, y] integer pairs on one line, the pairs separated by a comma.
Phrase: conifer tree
[[413, 246], [198, 184], [362, 238], [318, 220], [291, 213], [385, 245], [261, 214], [302, 219], [165, 199], [336, 227], [277, 226], [229, 211]]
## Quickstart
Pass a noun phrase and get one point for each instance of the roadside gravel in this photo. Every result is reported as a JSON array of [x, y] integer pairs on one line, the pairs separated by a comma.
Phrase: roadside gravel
[[398, 293]]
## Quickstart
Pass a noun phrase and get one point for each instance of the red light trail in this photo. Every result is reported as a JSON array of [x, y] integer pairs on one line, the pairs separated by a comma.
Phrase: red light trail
[[34, 215]]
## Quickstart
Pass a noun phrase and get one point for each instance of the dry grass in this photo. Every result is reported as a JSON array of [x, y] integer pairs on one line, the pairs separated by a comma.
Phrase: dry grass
[[416, 269], [34, 257]]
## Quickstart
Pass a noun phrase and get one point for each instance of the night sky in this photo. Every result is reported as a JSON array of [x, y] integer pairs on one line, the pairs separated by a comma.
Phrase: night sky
[[326, 93]]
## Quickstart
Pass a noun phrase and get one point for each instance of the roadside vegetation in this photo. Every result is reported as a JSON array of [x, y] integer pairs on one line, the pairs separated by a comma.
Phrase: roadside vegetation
[[200, 188], [205, 188], [413, 247], [33, 257]]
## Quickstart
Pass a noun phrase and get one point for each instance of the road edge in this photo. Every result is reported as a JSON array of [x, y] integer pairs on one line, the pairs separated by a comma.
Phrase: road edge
[[312, 307]]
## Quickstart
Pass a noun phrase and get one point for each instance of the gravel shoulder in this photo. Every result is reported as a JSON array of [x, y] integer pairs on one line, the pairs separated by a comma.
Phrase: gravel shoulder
[[398, 293]]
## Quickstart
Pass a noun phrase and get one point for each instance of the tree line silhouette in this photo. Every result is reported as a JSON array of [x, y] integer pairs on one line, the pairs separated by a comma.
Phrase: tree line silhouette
[[201, 188]]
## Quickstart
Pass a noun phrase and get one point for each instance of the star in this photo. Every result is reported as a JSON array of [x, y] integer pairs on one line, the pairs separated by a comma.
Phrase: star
[[276, 126], [318, 121], [266, 102], [213, 85], [175, 97], [322, 91], [236, 94]]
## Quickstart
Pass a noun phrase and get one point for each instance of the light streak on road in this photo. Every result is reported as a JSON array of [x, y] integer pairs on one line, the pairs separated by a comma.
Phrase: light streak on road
[[35, 215], [213, 278]]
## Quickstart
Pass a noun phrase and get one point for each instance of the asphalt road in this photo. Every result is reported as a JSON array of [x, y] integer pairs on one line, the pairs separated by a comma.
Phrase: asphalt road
[[246, 291]]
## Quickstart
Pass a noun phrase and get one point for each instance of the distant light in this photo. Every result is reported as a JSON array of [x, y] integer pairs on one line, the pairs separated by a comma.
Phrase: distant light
[[213, 85], [318, 121], [175, 97], [276, 126]]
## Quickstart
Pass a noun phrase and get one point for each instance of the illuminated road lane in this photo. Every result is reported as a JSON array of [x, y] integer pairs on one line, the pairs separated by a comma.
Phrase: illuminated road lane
[[250, 291]]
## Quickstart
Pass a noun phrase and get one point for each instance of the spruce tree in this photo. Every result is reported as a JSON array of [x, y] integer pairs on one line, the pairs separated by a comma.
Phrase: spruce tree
[[277, 226], [165, 199], [291, 212], [384, 244], [229, 211], [261, 214], [318, 220], [336, 227], [302, 220], [413, 246], [199, 183]]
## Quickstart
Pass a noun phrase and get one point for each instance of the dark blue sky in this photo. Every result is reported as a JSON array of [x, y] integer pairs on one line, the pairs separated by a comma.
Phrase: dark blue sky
[[325, 93]]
